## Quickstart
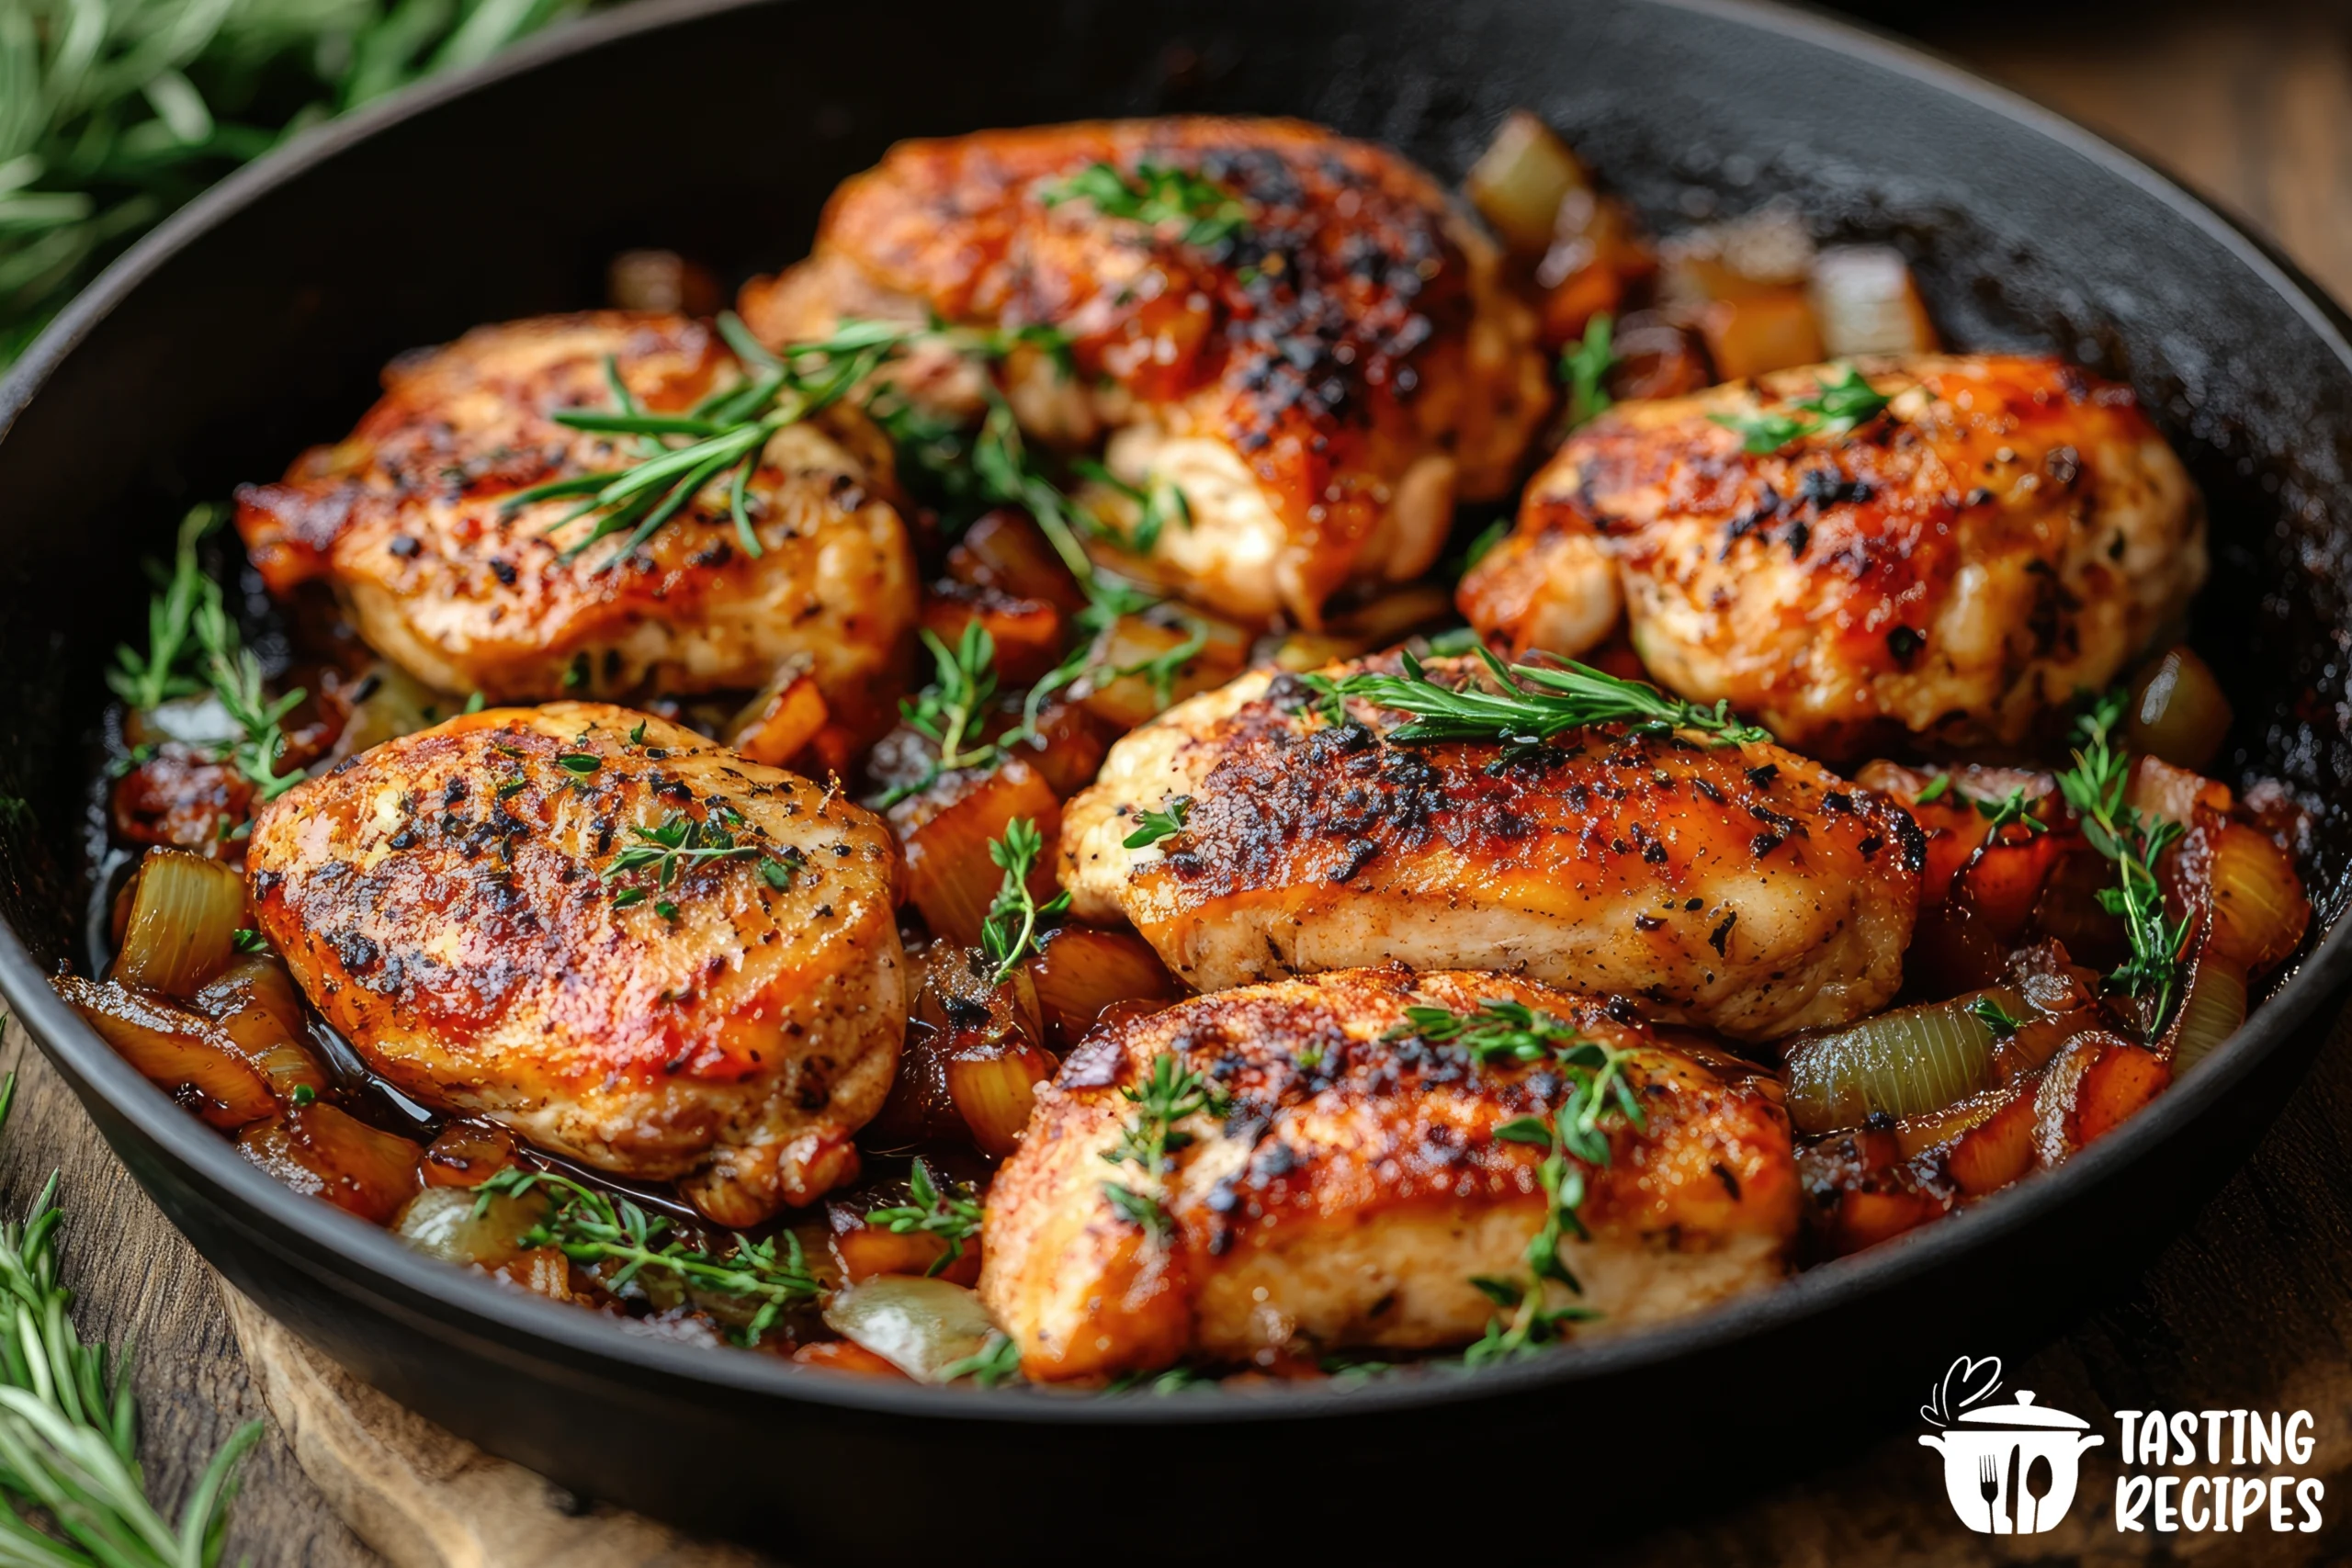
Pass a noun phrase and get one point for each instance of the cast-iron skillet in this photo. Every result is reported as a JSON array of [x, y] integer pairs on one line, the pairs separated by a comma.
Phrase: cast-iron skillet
[[255, 322]]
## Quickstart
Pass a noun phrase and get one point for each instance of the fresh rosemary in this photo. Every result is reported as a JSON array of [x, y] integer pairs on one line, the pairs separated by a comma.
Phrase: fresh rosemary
[[1534, 702], [152, 679], [946, 1210], [2095, 787], [1170, 1093], [69, 1428], [1153, 826], [1156, 196], [1584, 366], [996, 1361], [1835, 407], [1009, 932], [594, 1227]]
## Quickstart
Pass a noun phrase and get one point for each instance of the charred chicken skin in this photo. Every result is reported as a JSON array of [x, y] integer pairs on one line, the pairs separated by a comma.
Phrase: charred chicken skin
[[410, 519], [1296, 332], [1743, 888], [630, 946], [2006, 533], [1341, 1181]]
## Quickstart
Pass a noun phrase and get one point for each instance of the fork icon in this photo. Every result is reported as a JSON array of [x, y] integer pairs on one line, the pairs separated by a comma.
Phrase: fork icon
[[1988, 1486]]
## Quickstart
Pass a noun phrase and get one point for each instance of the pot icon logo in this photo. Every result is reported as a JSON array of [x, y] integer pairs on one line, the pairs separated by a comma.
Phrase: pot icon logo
[[2009, 1469]]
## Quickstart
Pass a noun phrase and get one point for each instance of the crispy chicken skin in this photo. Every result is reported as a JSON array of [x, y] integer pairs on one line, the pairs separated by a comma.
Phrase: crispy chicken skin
[[405, 519], [443, 900], [1743, 888], [1354, 1185], [2012, 532], [1321, 386]]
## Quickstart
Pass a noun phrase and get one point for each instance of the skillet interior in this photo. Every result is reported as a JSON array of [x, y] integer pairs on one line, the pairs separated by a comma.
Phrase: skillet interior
[[255, 324]]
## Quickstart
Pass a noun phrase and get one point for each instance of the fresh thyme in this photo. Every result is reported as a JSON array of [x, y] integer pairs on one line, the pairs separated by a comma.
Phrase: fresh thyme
[[1585, 365], [1153, 826], [1498, 1031], [1835, 407], [1009, 932], [1155, 506], [1156, 196], [594, 1227], [946, 1210], [998, 1360], [1936, 790], [1997, 1017], [69, 1428], [951, 709], [1170, 1093], [1534, 702], [677, 846], [2014, 806], [2095, 787], [236, 678], [150, 680]]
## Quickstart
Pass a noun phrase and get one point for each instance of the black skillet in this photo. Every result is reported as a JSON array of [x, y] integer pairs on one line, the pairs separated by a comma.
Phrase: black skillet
[[254, 324]]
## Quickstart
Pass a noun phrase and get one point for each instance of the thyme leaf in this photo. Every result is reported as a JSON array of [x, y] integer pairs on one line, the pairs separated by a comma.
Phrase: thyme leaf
[[1170, 1093], [945, 1209], [1009, 931], [2095, 787], [1156, 196], [1837, 406], [1153, 825], [1583, 367]]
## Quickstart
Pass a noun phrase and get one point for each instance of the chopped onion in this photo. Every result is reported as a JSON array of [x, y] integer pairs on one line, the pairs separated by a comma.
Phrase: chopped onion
[[185, 915], [1519, 181], [187, 1057], [1906, 1063], [995, 1091], [253, 1001], [1026, 634], [1867, 303], [2210, 1011], [1759, 332], [951, 876], [781, 719], [2259, 908], [319, 1150], [2178, 711], [1137, 642], [920, 1327], [1004, 551], [443, 1222], [1080, 970], [466, 1154]]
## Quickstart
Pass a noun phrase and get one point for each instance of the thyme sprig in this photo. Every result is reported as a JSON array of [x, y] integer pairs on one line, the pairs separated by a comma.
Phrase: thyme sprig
[[152, 679], [2014, 806], [1995, 1017], [1170, 1093], [1153, 826], [1837, 406], [998, 1360], [1498, 1031], [1585, 366], [236, 678], [681, 844], [69, 1428], [594, 1227], [951, 709], [1156, 196], [945, 1209], [1534, 702], [2095, 787], [1009, 931]]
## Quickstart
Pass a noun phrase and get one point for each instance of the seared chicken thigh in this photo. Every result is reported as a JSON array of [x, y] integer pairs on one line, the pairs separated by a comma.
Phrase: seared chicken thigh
[[409, 519], [2008, 532], [1744, 888], [630, 946], [1343, 1181], [1297, 331]]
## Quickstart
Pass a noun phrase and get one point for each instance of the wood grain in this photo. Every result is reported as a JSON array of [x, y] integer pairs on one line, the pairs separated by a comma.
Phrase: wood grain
[[2251, 1307]]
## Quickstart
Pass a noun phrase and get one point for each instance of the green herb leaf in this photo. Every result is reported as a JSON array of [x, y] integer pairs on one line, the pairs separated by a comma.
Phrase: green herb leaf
[[2095, 787], [578, 762], [1935, 791], [1835, 407], [996, 1361], [1997, 1017], [246, 940], [1526, 705], [1153, 825], [1157, 196], [1584, 366], [945, 1209], [1009, 932]]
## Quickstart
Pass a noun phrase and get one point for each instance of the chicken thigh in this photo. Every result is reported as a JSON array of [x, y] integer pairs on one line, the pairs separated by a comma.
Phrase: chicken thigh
[[1296, 332], [630, 946], [411, 520], [1744, 888], [1341, 1178], [2006, 533]]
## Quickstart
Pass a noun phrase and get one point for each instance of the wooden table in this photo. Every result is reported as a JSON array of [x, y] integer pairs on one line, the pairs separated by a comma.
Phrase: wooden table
[[2251, 1307]]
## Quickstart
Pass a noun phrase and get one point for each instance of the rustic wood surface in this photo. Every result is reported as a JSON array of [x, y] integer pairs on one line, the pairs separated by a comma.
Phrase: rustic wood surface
[[2251, 1307]]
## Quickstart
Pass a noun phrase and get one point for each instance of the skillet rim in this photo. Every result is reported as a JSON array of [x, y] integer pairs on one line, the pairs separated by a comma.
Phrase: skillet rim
[[364, 1263]]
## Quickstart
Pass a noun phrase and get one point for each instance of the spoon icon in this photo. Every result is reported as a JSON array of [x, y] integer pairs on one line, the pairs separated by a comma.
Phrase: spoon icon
[[2035, 1491]]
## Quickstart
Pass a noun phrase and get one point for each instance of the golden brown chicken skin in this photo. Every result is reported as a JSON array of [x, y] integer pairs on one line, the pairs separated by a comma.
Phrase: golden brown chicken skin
[[1743, 888], [407, 519], [1345, 1183], [1321, 382], [479, 909], [2009, 531]]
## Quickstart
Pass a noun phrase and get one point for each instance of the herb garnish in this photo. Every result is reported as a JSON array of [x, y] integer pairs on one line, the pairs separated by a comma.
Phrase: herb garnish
[[946, 1210], [996, 1361], [236, 680], [1535, 703], [150, 680], [676, 847], [1009, 933], [1584, 365], [1997, 1017], [1153, 194], [1170, 1093], [2095, 787], [951, 709], [1935, 791], [589, 1226], [1497, 1031], [1153, 825], [1835, 407], [2013, 806]]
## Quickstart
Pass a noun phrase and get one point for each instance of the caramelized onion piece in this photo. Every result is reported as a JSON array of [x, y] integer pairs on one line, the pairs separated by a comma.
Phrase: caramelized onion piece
[[457, 1226], [1904, 1062], [1082, 970], [2210, 1010], [2259, 910], [1519, 181], [945, 830], [920, 1327], [2178, 711], [319, 1150], [253, 1001], [185, 913], [1864, 298], [187, 1057]]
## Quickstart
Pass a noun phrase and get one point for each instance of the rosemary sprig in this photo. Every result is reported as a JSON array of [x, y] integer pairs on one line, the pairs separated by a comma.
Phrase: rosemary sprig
[[1153, 826], [1583, 367], [946, 1210], [1155, 195], [594, 1227], [998, 1360], [1009, 932], [1534, 702], [69, 1428], [2095, 787], [152, 679], [236, 678], [1835, 407], [1170, 1093]]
